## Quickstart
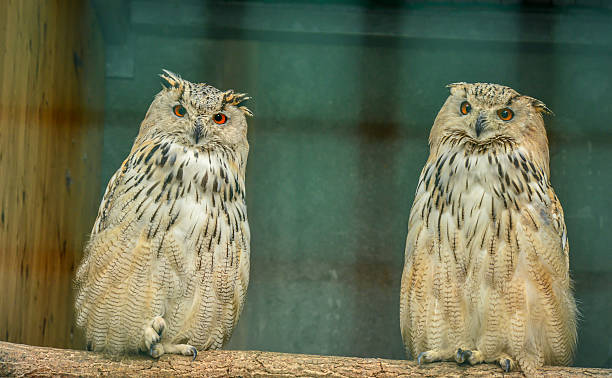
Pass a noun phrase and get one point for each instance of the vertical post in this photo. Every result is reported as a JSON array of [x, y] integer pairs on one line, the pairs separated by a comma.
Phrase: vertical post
[[51, 119]]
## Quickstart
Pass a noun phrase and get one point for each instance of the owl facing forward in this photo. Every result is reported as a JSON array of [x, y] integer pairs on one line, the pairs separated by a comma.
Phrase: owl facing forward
[[167, 266], [486, 271]]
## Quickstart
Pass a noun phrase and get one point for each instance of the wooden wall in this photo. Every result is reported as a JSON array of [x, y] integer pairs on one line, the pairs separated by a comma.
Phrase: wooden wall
[[51, 119]]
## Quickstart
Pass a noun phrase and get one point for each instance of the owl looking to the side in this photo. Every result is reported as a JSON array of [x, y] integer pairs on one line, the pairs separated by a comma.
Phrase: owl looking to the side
[[486, 271], [167, 267]]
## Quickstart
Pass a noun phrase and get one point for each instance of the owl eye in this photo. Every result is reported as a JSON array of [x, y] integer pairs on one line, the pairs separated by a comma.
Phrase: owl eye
[[220, 118], [465, 107], [179, 111], [505, 114]]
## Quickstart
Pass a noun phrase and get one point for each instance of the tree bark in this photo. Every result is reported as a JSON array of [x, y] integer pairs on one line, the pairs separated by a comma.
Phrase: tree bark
[[26, 360]]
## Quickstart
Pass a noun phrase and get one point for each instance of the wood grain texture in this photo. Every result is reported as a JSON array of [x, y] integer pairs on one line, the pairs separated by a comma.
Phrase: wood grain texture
[[51, 119], [25, 360]]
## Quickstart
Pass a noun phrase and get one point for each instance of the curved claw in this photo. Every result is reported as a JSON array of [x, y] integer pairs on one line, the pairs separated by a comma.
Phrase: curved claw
[[459, 356], [463, 355], [507, 365], [151, 350], [420, 357], [194, 351]]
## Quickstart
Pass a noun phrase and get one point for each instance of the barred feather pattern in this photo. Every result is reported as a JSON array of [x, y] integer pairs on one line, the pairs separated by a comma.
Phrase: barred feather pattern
[[487, 258], [171, 240]]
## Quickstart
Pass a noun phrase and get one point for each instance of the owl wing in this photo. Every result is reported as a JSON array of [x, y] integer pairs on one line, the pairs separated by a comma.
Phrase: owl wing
[[544, 228], [129, 170], [417, 266], [107, 199], [547, 255], [126, 275]]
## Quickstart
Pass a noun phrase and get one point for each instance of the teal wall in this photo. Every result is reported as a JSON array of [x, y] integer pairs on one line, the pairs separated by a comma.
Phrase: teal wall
[[342, 115]]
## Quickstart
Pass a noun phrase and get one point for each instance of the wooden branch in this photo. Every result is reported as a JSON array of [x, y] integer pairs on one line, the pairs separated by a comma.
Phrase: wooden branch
[[26, 360]]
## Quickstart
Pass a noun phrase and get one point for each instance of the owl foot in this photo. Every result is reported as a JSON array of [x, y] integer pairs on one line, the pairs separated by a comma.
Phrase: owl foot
[[434, 355], [473, 357], [184, 349], [157, 350], [506, 362], [152, 336]]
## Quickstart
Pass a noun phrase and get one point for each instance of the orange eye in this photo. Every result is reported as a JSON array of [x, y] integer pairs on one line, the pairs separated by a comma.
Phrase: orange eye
[[505, 114], [220, 118], [465, 107], [179, 111]]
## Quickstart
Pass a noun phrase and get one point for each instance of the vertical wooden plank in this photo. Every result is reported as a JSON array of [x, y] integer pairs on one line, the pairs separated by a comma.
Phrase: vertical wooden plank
[[51, 119]]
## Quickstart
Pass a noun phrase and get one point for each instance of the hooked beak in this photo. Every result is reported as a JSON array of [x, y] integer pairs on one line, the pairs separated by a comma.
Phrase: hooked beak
[[480, 124], [197, 131]]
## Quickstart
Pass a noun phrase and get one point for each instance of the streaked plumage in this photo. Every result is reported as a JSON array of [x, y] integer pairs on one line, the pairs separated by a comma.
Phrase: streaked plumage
[[167, 266], [486, 274]]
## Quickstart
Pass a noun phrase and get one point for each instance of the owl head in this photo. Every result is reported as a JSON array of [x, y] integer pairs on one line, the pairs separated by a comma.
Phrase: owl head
[[487, 116], [197, 115]]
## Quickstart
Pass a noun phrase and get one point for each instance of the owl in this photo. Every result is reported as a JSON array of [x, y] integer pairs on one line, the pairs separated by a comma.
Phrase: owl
[[486, 270], [166, 269]]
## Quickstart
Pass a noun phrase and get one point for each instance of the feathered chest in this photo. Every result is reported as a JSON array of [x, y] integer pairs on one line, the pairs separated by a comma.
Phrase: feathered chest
[[164, 186], [473, 199]]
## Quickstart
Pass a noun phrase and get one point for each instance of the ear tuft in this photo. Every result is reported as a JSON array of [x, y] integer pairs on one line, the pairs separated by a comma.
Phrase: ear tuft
[[457, 88], [236, 99], [540, 107], [246, 111], [171, 80]]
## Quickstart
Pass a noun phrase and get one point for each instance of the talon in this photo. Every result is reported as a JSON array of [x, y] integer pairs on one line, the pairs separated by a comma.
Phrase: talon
[[151, 350], [459, 356], [507, 365], [467, 354], [194, 351], [420, 357], [463, 355]]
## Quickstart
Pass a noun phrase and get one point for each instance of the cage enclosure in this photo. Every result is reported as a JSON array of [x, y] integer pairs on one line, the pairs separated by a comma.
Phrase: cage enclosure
[[344, 94]]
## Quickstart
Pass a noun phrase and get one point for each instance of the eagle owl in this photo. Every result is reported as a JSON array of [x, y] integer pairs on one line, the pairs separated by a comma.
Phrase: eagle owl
[[486, 270], [167, 267]]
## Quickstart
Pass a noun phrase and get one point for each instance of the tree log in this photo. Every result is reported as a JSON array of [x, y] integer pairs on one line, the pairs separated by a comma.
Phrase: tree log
[[26, 360]]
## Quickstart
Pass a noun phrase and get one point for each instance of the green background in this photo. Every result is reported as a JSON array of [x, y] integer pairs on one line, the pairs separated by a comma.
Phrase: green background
[[344, 95]]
